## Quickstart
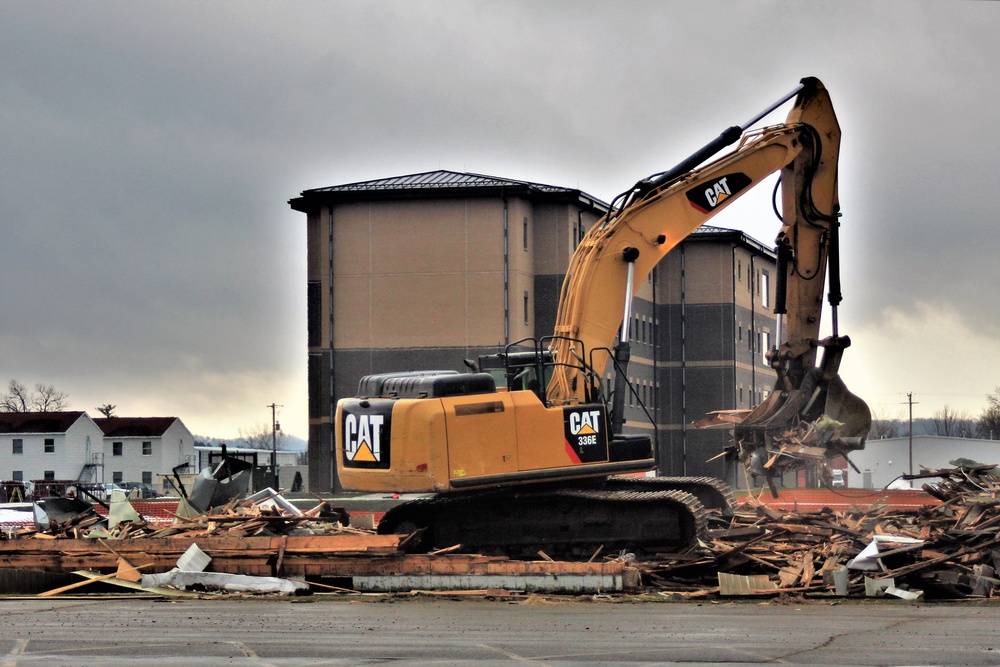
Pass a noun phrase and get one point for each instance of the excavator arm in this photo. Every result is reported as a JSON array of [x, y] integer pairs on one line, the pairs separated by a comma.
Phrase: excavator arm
[[659, 212]]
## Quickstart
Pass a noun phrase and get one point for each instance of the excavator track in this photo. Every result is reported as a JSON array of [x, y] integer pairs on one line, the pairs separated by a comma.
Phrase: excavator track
[[571, 522], [711, 492]]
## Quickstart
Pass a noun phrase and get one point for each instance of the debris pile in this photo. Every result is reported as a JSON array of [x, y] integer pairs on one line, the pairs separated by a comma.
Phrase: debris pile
[[263, 514], [946, 551], [951, 550]]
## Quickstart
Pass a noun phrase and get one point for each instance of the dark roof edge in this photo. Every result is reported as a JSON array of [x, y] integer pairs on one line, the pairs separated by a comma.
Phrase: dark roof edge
[[443, 184], [711, 233]]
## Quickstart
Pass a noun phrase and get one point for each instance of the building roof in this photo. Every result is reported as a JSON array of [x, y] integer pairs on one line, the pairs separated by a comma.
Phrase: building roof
[[710, 233], [442, 178], [134, 427], [442, 184], [445, 184], [38, 422]]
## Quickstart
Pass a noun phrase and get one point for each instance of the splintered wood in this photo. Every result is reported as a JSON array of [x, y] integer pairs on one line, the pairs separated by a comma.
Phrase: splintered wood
[[242, 537], [951, 550], [946, 551], [238, 518]]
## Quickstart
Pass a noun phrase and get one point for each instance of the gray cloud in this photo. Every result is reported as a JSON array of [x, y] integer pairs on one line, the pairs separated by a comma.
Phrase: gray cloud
[[149, 151]]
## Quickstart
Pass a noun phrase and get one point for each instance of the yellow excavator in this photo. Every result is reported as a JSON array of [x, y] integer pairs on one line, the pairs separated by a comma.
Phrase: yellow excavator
[[526, 452]]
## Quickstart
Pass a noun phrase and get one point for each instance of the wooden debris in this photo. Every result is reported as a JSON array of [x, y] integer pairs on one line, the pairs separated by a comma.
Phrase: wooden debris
[[79, 584], [946, 551], [238, 518], [951, 550]]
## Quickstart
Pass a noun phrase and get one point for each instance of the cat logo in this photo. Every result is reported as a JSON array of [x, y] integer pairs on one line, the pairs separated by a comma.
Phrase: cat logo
[[362, 438], [708, 197], [585, 423], [586, 441]]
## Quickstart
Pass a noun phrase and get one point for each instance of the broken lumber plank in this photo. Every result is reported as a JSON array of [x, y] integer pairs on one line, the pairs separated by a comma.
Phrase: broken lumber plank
[[446, 550], [804, 529], [79, 584], [136, 586]]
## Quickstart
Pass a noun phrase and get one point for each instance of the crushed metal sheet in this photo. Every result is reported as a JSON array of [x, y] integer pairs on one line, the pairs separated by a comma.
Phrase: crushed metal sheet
[[193, 560], [735, 584], [121, 510], [221, 581]]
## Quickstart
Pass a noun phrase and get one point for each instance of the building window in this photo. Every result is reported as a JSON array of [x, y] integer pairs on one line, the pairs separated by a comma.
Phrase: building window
[[116, 449], [50, 445], [765, 346], [147, 477], [525, 307], [17, 476], [17, 447], [740, 339], [524, 234], [117, 477], [49, 475], [147, 448], [765, 289]]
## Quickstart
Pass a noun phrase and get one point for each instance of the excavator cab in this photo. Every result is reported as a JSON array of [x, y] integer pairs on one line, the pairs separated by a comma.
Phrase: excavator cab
[[517, 368], [529, 364]]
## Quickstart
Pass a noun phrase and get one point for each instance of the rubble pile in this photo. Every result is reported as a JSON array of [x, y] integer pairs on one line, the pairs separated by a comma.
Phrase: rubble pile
[[266, 515], [951, 550], [946, 551]]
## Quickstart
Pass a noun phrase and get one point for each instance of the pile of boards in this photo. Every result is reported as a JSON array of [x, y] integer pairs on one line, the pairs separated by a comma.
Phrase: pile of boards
[[260, 546], [947, 551], [266, 516]]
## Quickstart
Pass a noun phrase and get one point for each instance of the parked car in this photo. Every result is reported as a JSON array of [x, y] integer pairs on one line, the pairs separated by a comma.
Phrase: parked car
[[139, 490]]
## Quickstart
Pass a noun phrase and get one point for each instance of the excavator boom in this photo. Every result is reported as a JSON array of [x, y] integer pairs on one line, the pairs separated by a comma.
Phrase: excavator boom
[[659, 212]]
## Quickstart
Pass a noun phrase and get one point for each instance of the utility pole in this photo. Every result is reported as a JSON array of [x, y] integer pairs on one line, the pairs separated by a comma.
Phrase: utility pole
[[274, 442], [909, 399]]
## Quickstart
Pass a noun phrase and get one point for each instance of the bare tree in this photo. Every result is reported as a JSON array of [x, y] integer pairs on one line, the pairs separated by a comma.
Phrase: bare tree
[[955, 424], [43, 399], [989, 420], [107, 410], [259, 437], [16, 399], [47, 399], [882, 426]]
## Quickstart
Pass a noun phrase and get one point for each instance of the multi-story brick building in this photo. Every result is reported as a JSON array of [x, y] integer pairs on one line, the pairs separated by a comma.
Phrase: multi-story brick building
[[423, 271]]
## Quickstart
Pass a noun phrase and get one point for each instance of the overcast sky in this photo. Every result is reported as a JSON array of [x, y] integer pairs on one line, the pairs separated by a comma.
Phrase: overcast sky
[[148, 151]]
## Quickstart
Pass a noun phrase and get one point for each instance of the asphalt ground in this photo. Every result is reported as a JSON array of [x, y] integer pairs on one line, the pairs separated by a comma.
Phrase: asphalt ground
[[383, 630]]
